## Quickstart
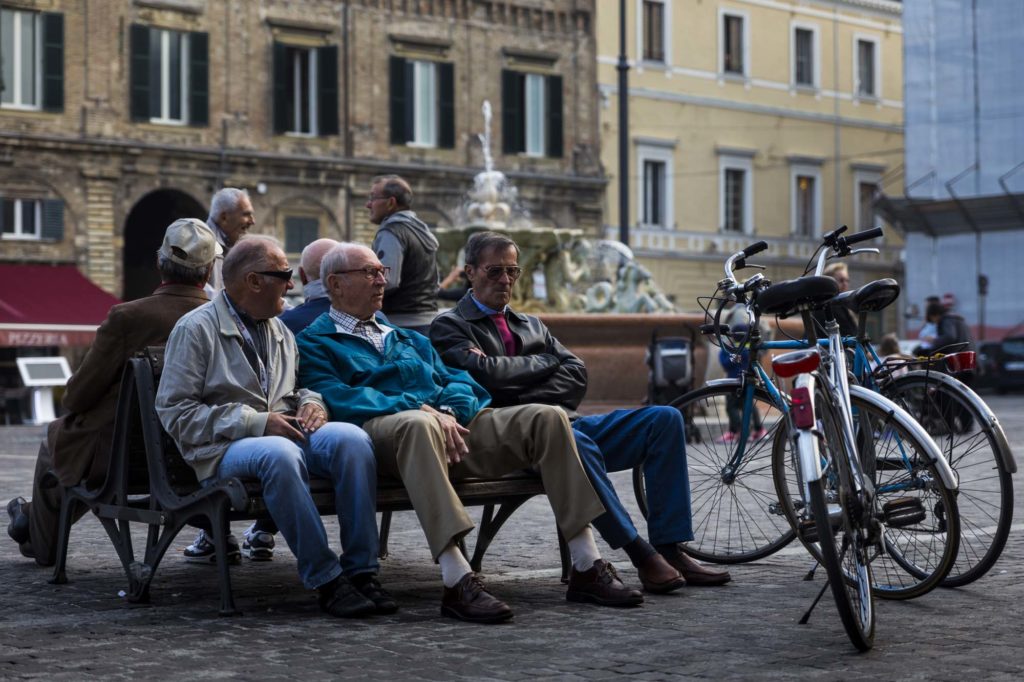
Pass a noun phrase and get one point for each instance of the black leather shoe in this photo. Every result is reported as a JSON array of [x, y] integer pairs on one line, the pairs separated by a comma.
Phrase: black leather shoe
[[369, 587], [697, 575], [18, 527], [341, 599], [601, 585], [469, 600]]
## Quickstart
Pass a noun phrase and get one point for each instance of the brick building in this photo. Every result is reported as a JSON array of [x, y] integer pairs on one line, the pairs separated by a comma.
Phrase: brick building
[[118, 116]]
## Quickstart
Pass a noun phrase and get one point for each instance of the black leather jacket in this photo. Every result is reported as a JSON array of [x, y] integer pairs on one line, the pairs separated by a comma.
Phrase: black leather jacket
[[543, 372]]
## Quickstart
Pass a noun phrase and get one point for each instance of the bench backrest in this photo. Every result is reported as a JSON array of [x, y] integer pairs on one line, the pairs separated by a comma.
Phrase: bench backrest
[[166, 469]]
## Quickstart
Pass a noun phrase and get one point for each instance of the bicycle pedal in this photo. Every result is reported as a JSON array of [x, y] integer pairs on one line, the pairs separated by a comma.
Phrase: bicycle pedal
[[808, 530], [903, 512]]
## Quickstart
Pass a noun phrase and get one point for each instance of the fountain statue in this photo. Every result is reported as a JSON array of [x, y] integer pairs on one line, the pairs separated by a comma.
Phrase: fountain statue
[[562, 271]]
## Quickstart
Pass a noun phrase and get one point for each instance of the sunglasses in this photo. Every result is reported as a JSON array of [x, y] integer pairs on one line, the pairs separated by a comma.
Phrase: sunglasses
[[494, 272], [283, 275]]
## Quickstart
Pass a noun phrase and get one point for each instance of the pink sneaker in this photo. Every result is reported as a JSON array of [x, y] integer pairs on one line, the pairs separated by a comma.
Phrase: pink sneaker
[[759, 434], [727, 437]]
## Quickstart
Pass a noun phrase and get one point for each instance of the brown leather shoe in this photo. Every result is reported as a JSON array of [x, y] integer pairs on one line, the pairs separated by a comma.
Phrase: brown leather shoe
[[658, 576], [696, 574], [469, 600], [601, 585]]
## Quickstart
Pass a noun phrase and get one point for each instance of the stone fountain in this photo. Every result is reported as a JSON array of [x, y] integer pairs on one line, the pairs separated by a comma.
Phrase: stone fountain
[[563, 271]]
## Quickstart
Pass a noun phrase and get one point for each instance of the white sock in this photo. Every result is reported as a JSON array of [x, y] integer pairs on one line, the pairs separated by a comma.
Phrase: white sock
[[453, 566], [583, 550]]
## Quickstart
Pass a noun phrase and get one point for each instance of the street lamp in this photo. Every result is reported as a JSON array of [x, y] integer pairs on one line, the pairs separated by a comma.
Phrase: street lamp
[[623, 69]]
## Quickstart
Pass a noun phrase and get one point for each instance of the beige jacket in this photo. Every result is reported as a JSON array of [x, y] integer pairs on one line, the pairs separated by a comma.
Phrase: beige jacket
[[209, 395]]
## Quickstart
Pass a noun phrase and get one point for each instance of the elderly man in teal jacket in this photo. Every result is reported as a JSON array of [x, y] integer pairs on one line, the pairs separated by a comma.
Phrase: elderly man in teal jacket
[[429, 423]]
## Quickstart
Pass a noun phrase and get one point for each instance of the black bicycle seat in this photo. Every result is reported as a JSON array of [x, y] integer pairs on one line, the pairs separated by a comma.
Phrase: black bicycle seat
[[874, 296], [785, 297]]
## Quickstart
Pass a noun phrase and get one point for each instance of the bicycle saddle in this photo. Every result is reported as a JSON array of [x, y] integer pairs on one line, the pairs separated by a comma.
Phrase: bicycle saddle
[[785, 297], [871, 297]]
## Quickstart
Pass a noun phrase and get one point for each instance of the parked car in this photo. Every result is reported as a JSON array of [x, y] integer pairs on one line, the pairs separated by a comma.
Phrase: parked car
[[1001, 364]]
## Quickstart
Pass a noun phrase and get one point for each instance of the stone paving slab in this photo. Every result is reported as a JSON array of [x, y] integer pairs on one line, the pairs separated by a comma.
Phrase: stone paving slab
[[746, 630]]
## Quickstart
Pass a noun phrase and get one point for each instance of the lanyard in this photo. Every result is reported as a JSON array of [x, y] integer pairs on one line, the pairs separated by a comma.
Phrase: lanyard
[[244, 331]]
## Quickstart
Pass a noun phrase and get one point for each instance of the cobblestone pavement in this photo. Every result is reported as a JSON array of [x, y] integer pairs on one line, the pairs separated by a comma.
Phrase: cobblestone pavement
[[746, 630]]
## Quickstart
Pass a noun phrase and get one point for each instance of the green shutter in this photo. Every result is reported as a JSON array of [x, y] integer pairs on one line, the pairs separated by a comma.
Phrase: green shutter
[[327, 97], [53, 220], [199, 80], [446, 105], [399, 132], [53, 62], [140, 84], [513, 121], [554, 117], [280, 102]]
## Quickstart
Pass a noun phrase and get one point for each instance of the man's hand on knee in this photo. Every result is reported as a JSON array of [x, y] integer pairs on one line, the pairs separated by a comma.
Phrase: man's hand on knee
[[311, 417], [455, 447]]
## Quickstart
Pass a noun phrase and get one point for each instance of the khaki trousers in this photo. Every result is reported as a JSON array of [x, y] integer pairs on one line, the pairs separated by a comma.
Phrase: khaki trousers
[[410, 446]]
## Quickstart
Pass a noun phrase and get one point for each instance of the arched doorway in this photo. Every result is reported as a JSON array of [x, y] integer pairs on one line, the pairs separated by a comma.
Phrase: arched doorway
[[144, 232]]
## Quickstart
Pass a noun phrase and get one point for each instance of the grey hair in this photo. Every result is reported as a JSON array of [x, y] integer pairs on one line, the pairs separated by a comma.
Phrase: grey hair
[[337, 259], [249, 254], [395, 186], [480, 243], [225, 199], [175, 273]]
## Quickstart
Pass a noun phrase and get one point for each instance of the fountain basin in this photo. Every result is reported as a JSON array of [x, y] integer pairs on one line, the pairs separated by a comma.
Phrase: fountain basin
[[613, 347]]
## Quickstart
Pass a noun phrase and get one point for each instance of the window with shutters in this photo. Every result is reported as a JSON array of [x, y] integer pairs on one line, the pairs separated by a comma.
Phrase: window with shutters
[[531, 114], [736, 193], [866, 74], [422, 103], [654, 30], [804, 50], [654, 159], [31, 60], [169, 76], [305, 90], [35, 219], [733, 44], [805, 198]]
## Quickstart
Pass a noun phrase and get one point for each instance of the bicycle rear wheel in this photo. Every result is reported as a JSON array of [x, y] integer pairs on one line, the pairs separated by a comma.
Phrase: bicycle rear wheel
[[919, 513], [736, 512], [978, 453]]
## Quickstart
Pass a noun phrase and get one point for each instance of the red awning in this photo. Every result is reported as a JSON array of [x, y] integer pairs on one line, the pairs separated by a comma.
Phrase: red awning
[[50, 305]]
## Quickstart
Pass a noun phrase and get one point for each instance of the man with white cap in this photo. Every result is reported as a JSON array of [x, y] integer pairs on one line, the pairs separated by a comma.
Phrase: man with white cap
[[77, 446]]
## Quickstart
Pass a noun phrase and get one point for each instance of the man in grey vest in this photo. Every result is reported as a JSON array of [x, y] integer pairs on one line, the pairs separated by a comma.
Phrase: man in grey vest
[[406, 245]]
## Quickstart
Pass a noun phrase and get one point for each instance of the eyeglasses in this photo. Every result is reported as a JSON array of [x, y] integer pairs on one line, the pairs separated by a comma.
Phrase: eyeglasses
[[283, 275], [369, 272], [372, 198], [494, 272]]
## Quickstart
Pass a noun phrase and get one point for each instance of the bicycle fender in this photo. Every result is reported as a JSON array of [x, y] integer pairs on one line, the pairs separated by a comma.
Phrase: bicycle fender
[[1009, 463], [806, 441], [910, 424]]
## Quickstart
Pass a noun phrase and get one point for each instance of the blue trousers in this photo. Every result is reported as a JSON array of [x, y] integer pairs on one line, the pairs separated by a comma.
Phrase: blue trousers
[[619, 440], [339, 452]]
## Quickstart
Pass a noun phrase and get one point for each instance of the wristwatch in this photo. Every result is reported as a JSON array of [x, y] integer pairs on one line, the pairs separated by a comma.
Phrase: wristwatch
[[447, 409]]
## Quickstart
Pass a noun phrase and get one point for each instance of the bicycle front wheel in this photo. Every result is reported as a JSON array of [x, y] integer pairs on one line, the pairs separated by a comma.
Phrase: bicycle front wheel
[[736, 512], [846, 557], [969, 441]]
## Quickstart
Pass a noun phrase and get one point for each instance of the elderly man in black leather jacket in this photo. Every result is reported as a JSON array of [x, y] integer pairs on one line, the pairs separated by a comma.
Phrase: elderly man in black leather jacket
[[515, 357]]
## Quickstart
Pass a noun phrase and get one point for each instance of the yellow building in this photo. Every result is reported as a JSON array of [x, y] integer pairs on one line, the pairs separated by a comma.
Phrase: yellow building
[[752, 119]]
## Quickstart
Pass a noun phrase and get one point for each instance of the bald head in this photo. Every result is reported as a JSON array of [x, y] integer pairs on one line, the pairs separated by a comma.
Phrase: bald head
[[312, 257], [348, 287]]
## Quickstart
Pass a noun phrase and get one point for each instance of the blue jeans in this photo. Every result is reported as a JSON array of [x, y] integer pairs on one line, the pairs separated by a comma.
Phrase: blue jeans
[[339, 452], [620, 440]]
